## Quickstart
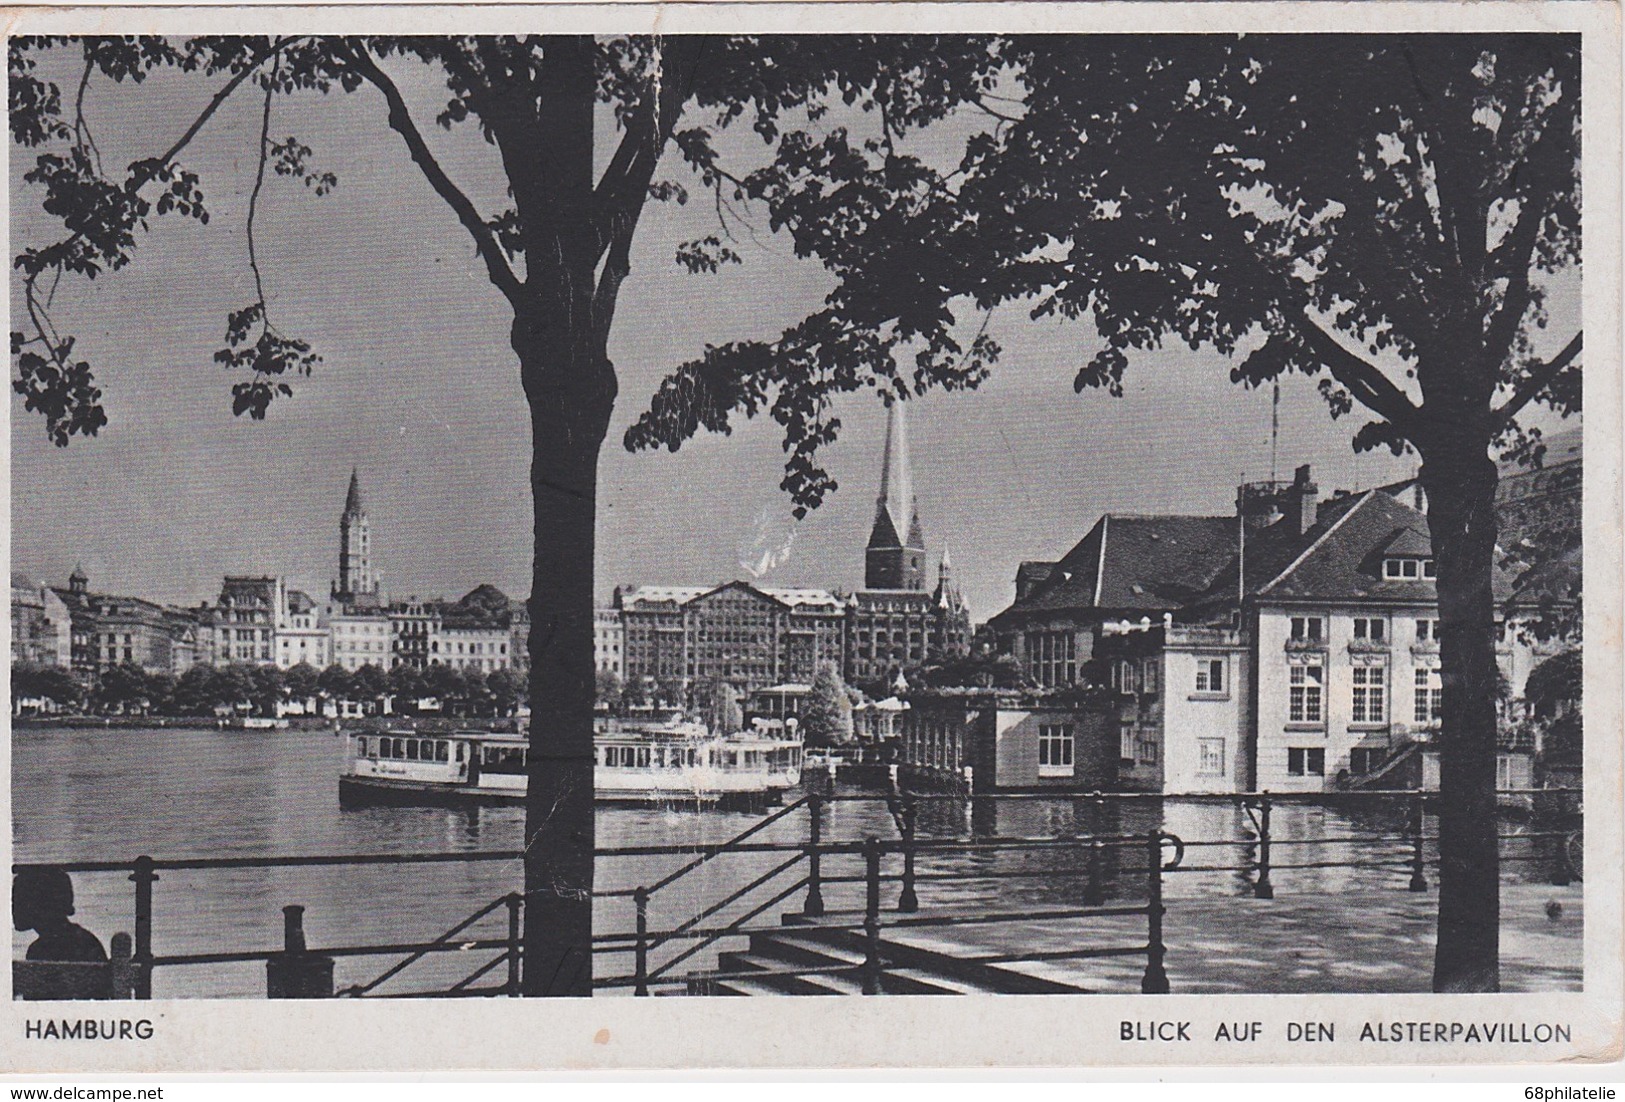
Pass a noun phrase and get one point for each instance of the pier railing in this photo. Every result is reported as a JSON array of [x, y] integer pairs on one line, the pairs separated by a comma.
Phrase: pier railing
[[674, 927]]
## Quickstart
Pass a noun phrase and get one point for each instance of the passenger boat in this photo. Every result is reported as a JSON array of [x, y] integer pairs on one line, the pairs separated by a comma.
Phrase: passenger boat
[[658, 764]]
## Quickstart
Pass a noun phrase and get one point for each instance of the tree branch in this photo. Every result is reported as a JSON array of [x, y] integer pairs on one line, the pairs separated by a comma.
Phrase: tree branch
[[212, 106], [1366, 382], [400, 120], [1538, 379]]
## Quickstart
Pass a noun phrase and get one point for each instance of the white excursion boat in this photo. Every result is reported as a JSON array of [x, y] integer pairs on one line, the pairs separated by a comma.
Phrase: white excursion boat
[[670, 763]]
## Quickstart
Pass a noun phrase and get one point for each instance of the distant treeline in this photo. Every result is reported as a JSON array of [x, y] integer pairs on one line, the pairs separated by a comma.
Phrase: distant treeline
[[247, 689]]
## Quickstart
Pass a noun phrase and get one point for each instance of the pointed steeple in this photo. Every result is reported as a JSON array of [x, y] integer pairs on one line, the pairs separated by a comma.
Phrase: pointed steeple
[[352, 501], [893, 560]]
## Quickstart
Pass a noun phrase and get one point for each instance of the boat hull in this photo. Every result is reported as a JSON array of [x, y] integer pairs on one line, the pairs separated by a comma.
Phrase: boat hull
[[397, 792]]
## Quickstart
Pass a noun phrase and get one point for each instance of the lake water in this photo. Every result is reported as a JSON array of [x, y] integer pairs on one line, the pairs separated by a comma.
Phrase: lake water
[[111, 795]]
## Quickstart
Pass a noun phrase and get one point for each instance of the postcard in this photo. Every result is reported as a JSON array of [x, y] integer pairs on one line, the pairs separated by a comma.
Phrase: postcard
[[540, 534]]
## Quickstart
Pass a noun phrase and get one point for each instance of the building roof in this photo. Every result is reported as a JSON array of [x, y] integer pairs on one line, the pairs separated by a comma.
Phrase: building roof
[[683, 594], [1134, 563]]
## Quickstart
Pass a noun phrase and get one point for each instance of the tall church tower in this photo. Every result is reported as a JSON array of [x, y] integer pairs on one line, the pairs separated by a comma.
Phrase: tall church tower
[[892, 561], [356, 578]]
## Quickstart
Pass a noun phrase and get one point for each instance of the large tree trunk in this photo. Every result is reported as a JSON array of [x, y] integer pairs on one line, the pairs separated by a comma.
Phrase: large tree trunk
[[571, 390], [1460, 481]]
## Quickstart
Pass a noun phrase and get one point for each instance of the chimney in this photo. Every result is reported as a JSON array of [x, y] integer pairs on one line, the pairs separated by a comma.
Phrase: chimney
[[1303, 499]]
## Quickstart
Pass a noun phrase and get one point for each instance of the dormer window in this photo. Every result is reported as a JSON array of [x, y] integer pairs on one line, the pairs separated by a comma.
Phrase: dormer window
[[1408, 569]]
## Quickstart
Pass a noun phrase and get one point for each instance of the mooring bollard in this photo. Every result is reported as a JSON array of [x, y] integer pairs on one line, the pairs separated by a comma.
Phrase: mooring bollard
[[1419, 880], [1155, 980], [908, 902], [297, 973], [871, 916], [640, 970], [1264, 889], [814, 906], [143, 877]]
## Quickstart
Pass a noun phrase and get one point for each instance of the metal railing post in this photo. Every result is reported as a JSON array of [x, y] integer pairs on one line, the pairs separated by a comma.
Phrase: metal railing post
[[143, 877], [1419, 881], [871, 916], [814, 906], [1094, 892], [515, 902], [640, 971], [1155, 980], [908, 902], [1264, 889]]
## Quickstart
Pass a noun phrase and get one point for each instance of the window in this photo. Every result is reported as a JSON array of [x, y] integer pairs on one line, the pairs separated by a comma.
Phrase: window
[[1053, 660], [1365, 759], [1306, 761], [1306, 683], [1210, 757], [1210, 675], [1429, 696], [1125, 743], [1054, 750], [1407, 569], [1503, 772], [1123, 679], [1427, 631], [1147, 748], [1373, 629], [1308, 629], [1148, 675], [1370, 687]]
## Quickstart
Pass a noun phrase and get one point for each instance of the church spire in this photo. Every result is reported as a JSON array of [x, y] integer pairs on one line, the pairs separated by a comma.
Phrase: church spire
[[895, 558], [352, 501]]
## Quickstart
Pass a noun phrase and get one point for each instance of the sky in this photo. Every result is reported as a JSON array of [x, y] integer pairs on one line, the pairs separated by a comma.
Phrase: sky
[[419, 391]]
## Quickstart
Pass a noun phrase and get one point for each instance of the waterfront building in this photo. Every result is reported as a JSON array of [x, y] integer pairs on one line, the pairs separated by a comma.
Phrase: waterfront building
[[246, 619], [41, 626], [106, 630], [1293, 647], [608, 642], [735, 632], [474, 633], [360, 637], [412, 624], [302, 634], [357, 584], [519, 634], [1007, 740]]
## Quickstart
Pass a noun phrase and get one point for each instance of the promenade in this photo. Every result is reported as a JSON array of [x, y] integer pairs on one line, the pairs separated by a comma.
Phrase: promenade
[[1370, 942]]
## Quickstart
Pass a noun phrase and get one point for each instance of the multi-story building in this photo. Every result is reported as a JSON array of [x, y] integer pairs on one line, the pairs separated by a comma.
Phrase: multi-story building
[[109, 630], [41, 626], [303, 635], [413, 623], [474, 633], [747, 636], [1291, 648], [246, 618], [360, 637], [608, 642]]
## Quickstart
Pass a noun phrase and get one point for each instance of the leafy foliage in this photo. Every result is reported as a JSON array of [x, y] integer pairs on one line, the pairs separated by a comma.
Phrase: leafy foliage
[[826, 716]]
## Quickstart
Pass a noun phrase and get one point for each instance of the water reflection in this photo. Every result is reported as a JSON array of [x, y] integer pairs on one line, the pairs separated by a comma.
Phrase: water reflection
[[111, 795]]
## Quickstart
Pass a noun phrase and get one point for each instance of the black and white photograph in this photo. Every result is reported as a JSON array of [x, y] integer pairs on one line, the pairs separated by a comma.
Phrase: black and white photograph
[[975, 509]]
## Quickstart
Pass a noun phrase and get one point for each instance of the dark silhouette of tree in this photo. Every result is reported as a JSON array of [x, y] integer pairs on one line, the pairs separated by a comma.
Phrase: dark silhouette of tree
[[826, 716], [334, 682], [406, 686], [234, 686], [301, 682], [269, 685], [1552, 694], [608, 692], [507, 690], [1383, 212], [978, 670], [53, 683], [196, 691], [122, 688], [160, 692], [369, 684]]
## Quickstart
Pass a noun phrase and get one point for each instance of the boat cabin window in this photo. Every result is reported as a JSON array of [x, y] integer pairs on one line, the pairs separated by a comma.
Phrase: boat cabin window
[[504, 759], [361, 747]]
